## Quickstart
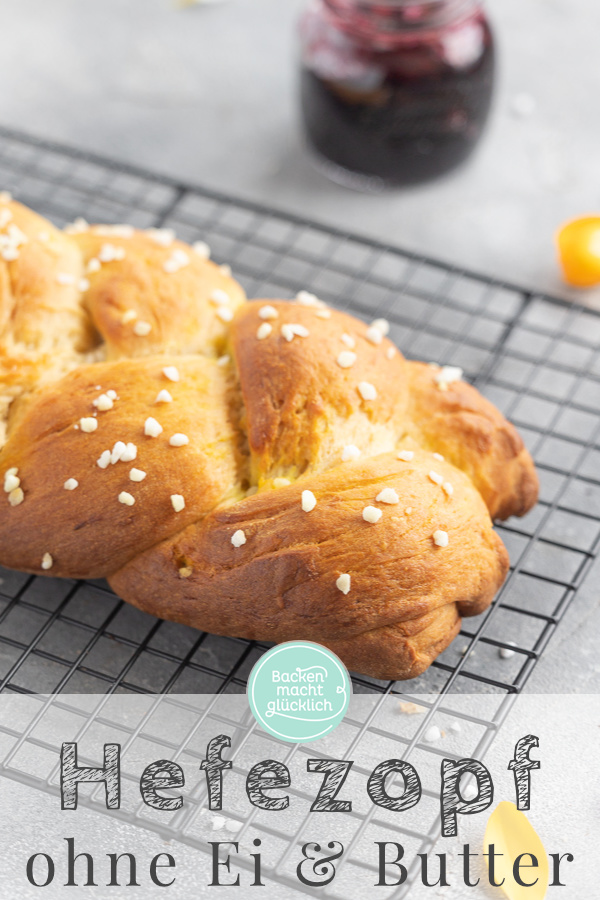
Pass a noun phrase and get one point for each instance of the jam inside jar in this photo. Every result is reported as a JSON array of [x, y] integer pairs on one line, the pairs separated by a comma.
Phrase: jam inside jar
[[394, 92]]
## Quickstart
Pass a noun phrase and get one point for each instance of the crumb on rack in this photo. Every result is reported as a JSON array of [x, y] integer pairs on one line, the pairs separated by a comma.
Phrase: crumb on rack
[[432, 735], [410, 709]]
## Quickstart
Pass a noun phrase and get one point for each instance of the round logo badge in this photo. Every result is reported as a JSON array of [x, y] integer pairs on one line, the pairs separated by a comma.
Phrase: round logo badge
[[299, 691]]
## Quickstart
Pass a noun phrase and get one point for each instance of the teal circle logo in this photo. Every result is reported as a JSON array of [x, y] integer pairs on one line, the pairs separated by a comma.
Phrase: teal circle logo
[[299, 691]]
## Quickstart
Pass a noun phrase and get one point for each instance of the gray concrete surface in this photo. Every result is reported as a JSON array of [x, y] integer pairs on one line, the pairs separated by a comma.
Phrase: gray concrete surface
[[208, 93]]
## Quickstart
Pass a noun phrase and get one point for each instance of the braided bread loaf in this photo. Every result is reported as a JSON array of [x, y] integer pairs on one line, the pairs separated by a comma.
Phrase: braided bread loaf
[[266, 469]]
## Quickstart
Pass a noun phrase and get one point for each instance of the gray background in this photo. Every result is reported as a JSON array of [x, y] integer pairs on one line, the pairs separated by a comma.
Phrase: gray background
[[208, 94]]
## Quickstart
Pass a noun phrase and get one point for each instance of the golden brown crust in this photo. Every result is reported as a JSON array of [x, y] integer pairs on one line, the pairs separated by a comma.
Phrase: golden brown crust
[[87, 530], [306, 400], [302, 407], [409, 648], [44, 331], [39, 292], [70, 299], [177, 303], [281, 584], [466, 428]]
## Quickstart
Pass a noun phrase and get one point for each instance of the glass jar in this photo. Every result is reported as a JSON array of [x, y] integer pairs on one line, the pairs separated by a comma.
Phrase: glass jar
[[394, 92]]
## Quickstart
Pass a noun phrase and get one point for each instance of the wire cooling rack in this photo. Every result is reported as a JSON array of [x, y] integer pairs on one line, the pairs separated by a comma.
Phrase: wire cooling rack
[[536, 357]]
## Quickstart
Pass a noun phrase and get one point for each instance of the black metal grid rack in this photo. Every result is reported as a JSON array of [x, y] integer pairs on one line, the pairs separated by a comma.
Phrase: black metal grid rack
[[536, 357]]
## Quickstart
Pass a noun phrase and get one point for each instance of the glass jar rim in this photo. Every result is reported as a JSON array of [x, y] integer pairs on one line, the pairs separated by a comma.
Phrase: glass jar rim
[[408, 18], [404, 4]]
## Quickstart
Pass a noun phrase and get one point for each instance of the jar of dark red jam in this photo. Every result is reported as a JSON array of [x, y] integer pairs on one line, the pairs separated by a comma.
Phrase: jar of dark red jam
[[394, 92]]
